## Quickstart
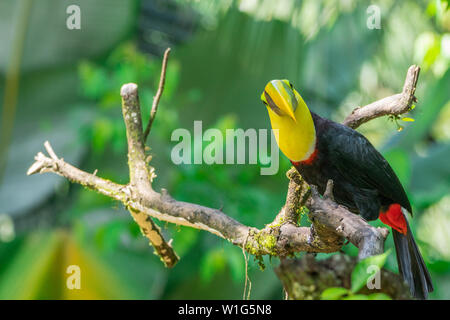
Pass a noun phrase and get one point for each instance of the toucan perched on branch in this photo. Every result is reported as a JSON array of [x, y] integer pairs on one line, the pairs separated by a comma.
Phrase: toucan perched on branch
[[364, 181]]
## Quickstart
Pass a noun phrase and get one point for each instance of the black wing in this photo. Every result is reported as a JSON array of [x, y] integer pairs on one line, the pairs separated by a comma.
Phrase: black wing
[[361, 164]]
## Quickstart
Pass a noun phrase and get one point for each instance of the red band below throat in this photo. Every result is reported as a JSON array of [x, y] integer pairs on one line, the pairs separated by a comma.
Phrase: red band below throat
[[308, 161]]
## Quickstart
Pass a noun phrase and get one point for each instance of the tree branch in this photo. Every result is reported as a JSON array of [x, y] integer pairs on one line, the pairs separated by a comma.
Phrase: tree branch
[[282, 239], [394, 105], [307, 278], [157, 97], [331, 217], [141, 175], [331, 223]]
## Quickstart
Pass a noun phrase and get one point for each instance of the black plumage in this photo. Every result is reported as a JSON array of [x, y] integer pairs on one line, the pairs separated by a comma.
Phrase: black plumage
[[363, 180], [365, 183]]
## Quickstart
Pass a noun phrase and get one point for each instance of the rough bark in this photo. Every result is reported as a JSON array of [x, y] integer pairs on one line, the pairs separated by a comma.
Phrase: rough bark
[[331, 223], [307, 278]]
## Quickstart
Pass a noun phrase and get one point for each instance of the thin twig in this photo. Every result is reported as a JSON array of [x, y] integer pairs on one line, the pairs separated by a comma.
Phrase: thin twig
[[50, 151], [158, 95], [247, 279]]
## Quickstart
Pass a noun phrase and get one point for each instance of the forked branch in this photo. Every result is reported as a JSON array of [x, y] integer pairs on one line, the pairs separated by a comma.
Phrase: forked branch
[[397, 104], [331, 223]]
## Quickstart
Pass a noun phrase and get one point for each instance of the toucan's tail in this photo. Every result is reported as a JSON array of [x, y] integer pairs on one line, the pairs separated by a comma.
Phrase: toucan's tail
[[411, 264]]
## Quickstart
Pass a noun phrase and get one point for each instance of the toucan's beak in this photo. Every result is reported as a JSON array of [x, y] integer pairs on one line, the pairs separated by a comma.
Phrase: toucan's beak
[[281, 98]]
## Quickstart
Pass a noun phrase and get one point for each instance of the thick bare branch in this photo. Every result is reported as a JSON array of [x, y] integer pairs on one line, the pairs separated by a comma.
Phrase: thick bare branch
[[141, 175], [163, 207], [153, 233], [307, 278], [282, 237], [394, 105], [297, 195], [330, 216], [331, 223]]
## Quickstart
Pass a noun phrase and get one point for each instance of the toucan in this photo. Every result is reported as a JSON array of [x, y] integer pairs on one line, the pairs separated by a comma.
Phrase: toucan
[[364, 182]]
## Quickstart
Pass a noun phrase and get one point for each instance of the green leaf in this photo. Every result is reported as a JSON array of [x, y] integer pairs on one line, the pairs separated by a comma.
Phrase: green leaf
[[360, 273], [334, 293], [435, 98], [379, 296], [408, 119], [356, 297]]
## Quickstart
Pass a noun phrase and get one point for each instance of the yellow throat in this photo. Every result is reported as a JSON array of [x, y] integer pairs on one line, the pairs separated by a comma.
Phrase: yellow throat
[[291, 118]]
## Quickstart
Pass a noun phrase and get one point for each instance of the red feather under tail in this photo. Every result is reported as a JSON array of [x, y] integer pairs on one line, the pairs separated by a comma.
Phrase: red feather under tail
[[394, 218], [410, 262]]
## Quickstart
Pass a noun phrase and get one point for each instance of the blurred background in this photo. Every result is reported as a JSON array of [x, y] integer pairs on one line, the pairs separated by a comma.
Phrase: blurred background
[[63, 86]]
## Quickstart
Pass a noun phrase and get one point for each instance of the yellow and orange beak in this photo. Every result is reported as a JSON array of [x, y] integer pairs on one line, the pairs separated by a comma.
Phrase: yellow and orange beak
[[280, 97]]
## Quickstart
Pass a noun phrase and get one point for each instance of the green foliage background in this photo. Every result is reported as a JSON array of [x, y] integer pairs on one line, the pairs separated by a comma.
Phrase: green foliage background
[[69, 83]]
